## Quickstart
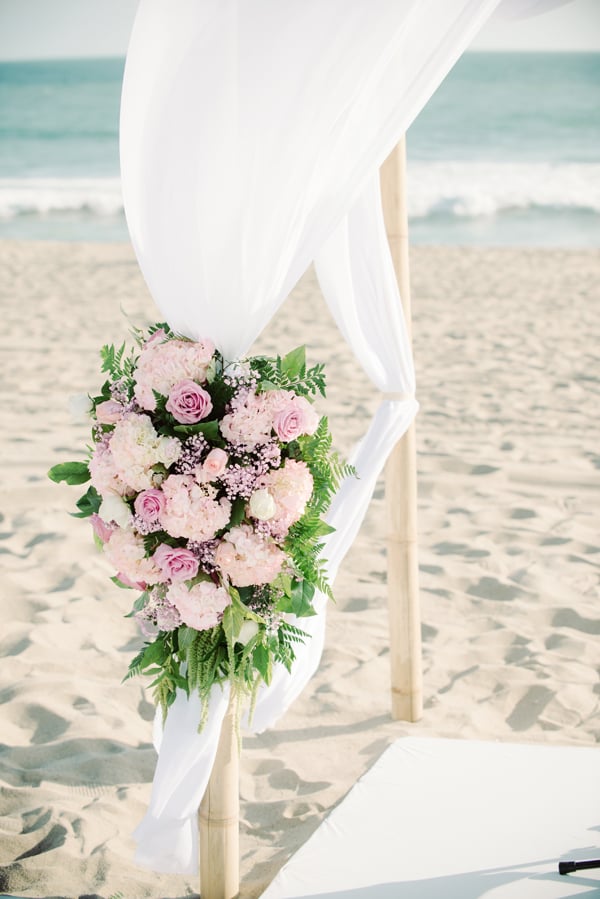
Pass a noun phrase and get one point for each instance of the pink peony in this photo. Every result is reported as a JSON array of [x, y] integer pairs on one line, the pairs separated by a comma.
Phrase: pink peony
[[126, 552], [247, 558], [201, 607], [188, 403], [191, 510], [109, 412], [213, 466], [102, 530], [291, 487], [295, 418], [149, 504], [176, 564]]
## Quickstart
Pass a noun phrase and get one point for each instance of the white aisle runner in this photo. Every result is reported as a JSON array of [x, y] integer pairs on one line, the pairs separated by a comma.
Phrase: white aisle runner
[[453, 819]]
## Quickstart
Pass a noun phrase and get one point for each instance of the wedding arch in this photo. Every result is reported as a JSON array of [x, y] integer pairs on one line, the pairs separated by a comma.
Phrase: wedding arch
[[252, 135]]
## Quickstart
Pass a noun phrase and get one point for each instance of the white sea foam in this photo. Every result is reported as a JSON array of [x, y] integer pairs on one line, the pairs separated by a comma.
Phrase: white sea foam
[[474, 189], [53, 196], [456, 189]]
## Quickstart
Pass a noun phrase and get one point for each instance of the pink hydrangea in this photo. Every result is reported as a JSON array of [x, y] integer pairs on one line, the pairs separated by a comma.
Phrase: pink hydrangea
[[291, 487], [191, 510], [201, 607], [104, 474], [247, 558], [161, 365], [126, 552], [250, 421], [135, 447]]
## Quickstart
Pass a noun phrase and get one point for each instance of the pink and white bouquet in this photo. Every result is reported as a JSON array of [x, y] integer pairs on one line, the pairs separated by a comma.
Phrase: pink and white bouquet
[[208, 483]]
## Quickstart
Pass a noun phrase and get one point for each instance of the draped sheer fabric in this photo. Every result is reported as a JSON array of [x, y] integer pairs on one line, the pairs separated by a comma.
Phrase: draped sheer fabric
[[251, 138]]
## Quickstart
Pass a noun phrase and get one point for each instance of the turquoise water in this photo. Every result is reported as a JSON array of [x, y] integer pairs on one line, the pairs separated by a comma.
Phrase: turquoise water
[[506, 152]]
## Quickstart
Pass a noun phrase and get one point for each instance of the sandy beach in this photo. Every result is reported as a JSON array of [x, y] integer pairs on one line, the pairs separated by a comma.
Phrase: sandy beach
[[506, 349]]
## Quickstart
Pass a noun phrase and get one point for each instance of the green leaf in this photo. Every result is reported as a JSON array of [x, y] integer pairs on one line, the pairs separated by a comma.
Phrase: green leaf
[[238, 512], [294, 364], [263, 662], [185, 637], [71, 472], [300, 600], [89, 503], [120, 584], [210, 429]]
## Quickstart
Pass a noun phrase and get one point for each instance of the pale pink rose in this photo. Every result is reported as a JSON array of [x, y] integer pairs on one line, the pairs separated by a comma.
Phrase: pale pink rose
[[247, 558], [201, 607], [213, 466], [102, 530], [176, 564], [149, 504], [109, 412], [188, 403], [295, 418]]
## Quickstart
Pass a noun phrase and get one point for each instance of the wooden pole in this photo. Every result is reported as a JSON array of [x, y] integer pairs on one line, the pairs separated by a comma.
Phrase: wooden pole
[[219, 819], [401, 483]]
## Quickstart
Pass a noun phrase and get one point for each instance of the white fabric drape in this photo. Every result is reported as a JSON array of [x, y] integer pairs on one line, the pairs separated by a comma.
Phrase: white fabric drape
[[252, 132]]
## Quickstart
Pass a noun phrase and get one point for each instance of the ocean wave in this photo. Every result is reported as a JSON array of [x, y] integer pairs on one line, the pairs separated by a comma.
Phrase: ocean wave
[[57, 196], [435, 189], [476, 189]]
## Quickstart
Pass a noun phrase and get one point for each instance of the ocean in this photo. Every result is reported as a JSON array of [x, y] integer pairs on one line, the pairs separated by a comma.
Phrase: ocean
[[507, 152]]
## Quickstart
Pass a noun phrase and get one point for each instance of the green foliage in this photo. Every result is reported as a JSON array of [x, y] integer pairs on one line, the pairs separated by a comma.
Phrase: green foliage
[[87, 504], [290, 373], [117, 363], [71, 472]]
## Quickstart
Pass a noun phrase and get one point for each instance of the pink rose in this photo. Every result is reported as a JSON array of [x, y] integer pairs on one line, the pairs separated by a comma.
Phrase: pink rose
[[214, 465], [295, 418], [149, 504], [175, 563], [109, 412], [102, 530], [189, 403]]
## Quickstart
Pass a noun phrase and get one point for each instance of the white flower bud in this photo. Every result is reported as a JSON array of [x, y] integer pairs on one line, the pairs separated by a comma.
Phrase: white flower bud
[[80, 407], [248, 630], [115, 509], [262, 505]]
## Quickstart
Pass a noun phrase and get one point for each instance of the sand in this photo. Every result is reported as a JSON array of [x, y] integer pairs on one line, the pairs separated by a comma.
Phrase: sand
[[506, 348]]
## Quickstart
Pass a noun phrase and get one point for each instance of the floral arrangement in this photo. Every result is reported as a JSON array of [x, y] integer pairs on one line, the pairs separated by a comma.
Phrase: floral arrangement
[[208, 483]]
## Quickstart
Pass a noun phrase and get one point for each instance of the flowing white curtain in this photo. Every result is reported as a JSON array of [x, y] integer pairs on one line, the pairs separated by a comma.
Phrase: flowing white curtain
[[252, 132]]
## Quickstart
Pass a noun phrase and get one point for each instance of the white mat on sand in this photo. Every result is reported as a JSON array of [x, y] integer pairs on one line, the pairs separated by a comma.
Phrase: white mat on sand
[[453, 819]]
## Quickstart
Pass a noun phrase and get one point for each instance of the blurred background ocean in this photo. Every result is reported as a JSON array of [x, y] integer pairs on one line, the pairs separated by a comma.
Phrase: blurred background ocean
[[507, 152]]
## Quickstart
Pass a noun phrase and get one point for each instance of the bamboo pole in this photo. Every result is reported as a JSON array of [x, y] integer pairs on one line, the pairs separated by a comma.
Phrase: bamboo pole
[[219, 819], [401, 483]]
